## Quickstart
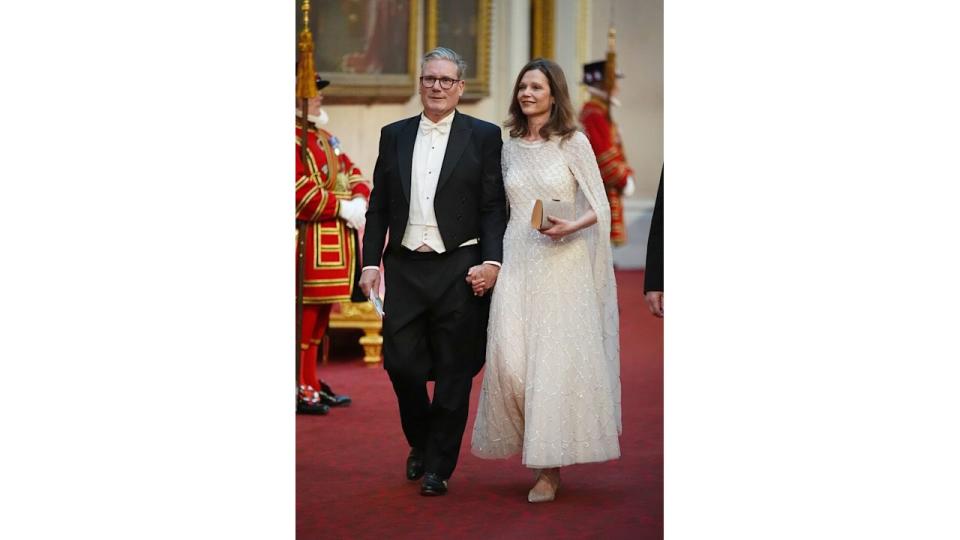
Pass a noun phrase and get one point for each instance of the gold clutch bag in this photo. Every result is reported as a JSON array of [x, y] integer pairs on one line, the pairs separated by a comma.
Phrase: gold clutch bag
[[549, 207]]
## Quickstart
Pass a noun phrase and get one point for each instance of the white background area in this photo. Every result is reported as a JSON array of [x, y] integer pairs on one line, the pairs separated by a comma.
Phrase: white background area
[[146, 293]]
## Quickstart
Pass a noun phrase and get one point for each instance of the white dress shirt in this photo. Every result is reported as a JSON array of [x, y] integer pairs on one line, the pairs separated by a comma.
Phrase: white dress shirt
[[428, 150]]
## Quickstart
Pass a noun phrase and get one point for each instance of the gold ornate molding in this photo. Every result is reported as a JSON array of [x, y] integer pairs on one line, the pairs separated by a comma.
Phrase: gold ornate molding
[[542, 21], [362, 316]]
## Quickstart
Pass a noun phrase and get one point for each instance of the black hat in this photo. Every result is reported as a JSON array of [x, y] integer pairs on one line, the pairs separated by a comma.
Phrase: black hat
[[593, 73], [321, 82]]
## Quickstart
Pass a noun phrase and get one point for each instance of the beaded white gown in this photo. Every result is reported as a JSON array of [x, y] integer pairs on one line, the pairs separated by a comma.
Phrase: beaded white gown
[[551, 386]]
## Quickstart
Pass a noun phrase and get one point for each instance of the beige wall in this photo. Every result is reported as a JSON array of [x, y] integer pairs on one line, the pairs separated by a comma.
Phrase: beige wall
[[581, 27]]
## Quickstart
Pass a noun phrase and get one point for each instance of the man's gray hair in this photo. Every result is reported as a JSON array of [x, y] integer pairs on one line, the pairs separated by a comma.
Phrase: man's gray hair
[[443, 53]]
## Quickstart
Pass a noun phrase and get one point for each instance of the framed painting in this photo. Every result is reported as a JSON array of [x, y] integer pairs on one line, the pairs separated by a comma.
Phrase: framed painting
[[366, 48], [464, 26]]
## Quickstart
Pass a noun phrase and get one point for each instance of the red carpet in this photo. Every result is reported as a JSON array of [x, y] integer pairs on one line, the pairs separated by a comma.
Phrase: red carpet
[[350, 463]]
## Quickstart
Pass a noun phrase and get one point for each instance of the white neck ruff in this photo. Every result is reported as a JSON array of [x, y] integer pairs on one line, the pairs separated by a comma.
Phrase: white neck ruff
[[319, 120]]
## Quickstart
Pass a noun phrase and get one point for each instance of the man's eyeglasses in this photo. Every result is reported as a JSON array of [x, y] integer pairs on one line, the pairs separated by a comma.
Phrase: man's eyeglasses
[[446, 83]]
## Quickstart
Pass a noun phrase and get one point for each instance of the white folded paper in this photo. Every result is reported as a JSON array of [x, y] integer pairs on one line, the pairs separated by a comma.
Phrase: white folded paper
[[377, 303]]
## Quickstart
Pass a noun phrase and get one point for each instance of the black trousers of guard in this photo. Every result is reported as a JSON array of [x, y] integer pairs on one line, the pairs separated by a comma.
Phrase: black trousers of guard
[[434, 328]]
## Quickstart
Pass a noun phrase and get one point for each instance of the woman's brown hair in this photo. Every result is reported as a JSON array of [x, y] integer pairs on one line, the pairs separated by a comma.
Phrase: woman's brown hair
[[562, 121]]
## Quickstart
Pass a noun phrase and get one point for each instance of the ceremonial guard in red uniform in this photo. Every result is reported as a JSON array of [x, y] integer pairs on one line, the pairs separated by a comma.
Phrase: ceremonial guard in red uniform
[[604, 137], [332, 202]]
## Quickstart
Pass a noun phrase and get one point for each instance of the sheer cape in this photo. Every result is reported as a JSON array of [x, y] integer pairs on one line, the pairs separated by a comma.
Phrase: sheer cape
[[582, 162]]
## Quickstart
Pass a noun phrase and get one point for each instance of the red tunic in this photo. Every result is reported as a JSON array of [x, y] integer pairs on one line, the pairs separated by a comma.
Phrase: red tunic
[[605, 139], [329, 250]]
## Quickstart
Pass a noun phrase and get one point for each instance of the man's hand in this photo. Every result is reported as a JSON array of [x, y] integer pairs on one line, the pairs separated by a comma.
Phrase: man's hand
[[354, 212], [370, 281], [655, 302], [482, 278]]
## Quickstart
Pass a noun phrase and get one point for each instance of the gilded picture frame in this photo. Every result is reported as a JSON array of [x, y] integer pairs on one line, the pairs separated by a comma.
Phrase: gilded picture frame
[[367, 49], [464, 26]]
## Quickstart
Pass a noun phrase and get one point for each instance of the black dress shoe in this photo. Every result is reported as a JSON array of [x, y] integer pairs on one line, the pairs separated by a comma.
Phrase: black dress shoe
[[415, 464], [433, 485], [334, 400], [312, 407]]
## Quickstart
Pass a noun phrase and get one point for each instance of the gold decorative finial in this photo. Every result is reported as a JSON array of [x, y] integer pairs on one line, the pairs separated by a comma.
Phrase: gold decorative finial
[[610, 69], [306, 74], [305, 7]]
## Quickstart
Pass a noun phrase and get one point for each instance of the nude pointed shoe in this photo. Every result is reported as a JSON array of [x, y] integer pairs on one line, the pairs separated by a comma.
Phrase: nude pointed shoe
[[550, 479]]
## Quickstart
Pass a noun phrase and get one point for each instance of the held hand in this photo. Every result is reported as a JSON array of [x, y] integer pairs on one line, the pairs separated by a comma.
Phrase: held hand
[[489, 274], [655, 302], [370, 281], [475, 280], [482, 278], [560, 228]]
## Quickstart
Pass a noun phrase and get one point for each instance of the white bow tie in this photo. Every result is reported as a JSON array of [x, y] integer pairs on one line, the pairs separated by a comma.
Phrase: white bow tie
[[426, 126]]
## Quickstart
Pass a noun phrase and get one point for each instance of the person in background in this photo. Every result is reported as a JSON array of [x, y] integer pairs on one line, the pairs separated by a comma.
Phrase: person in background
[[331, 198], [597, 121]]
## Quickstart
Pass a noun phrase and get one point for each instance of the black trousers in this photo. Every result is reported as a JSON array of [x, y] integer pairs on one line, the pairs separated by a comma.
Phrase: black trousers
[[434, 328]]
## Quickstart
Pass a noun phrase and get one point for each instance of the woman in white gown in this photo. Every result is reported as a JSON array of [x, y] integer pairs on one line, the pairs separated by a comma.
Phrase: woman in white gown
[[551, 388]]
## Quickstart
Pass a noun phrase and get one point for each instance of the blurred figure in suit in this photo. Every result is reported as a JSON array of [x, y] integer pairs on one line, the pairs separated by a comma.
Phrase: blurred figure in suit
[[653, 276]]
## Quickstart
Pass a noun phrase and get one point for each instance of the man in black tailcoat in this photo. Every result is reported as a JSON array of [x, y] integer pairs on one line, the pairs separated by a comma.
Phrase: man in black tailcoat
[[438, 191]]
